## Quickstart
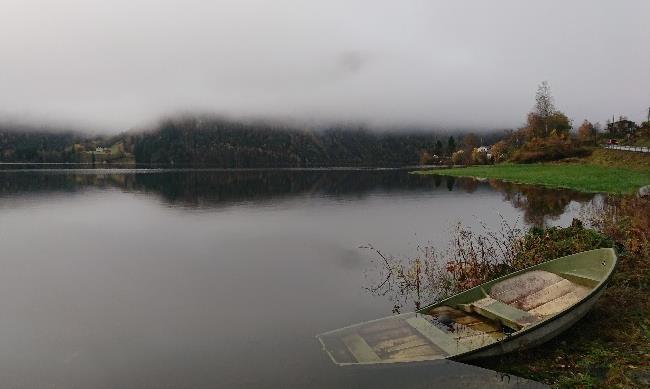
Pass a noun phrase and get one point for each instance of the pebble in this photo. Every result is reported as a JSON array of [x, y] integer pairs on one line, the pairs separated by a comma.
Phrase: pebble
[[644, 191]]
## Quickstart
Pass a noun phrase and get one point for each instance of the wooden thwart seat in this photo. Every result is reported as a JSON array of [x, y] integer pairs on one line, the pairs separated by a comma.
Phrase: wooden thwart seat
[[506, 314]]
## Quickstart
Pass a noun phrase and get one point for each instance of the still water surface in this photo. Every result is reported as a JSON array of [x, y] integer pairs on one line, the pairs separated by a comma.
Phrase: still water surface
[[218, 278]]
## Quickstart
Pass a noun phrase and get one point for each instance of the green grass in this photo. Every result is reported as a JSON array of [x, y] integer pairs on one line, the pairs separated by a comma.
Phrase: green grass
[[579, 176]]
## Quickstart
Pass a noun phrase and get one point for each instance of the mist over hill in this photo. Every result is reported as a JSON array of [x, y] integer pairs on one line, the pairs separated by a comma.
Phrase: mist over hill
[[218, 142]]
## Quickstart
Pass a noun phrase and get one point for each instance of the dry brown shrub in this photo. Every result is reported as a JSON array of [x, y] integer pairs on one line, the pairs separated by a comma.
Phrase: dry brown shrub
[[472, 258]]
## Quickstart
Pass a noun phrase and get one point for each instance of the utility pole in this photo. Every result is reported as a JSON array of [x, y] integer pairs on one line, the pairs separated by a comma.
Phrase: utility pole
[[648, 114]]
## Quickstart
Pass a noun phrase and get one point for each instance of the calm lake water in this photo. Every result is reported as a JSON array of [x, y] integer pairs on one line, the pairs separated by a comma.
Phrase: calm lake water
[[151, 278]]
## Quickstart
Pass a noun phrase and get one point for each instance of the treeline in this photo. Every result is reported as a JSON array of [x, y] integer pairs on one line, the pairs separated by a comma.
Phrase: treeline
[[215, 142], [549, 135], [32, 145], [24, 144], [230, 144]]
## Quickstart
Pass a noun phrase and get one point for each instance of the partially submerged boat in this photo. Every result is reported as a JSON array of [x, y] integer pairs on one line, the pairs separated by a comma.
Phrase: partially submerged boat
[[517, 311]]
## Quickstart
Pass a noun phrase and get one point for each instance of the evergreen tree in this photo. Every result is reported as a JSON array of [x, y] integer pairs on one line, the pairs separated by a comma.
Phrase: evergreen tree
[[438, 148], [451, 145]]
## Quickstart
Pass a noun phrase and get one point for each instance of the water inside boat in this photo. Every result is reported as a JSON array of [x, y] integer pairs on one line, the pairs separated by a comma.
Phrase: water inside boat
[[473, 319]]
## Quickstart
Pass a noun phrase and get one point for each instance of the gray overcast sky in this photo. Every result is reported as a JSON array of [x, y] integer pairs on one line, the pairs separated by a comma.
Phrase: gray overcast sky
[[454, 64]]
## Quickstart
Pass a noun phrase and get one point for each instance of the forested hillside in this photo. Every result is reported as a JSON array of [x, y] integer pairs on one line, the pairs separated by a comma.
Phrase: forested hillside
[[18, 145], [200, 141], [239, 145]]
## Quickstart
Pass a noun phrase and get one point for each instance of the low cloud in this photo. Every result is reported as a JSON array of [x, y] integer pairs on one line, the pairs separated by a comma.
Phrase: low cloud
[[125, 63]]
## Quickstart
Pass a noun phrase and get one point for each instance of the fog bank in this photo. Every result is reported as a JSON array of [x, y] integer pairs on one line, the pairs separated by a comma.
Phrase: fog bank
[[476, 64]]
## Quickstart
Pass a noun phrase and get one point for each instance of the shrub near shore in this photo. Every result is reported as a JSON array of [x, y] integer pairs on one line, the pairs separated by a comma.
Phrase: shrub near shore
[[551, 148]]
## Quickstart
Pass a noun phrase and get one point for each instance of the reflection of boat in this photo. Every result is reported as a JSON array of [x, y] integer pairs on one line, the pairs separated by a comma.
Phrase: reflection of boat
[[517, 311]]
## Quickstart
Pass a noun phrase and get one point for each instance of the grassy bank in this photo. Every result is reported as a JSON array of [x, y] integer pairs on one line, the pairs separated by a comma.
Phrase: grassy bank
[[585, 176], [620, 159]]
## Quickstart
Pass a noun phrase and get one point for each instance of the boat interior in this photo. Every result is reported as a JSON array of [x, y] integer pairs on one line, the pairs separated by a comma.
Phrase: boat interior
[[468, 321]]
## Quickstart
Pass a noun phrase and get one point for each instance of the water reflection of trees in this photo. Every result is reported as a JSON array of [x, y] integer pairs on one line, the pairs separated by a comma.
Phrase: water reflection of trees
[[539, 204], [194, 188], [217, 188]]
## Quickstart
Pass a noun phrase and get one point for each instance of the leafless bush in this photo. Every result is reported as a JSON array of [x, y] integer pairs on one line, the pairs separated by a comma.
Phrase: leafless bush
[[474, 257], [470, 259]]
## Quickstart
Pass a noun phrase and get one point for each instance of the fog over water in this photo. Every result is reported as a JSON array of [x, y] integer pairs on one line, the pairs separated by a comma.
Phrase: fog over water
[[475, 64]]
